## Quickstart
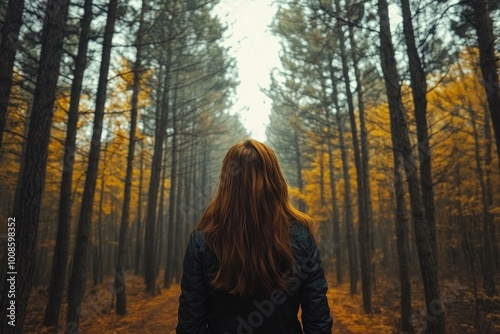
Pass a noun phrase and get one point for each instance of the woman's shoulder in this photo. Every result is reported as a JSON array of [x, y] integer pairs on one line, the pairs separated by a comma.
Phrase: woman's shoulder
[[299, 231], [197, 240]]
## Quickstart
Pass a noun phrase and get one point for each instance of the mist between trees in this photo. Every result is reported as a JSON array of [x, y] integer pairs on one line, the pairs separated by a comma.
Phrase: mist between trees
[[115, 116]]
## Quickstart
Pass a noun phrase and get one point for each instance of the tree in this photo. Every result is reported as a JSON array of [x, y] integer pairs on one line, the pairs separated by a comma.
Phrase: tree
[[156, 167], [9, 36], [61, 248], [488, 60], [121, 302], [363, 216], [28, 197], [77, 282], [403, 152], [419, 93]]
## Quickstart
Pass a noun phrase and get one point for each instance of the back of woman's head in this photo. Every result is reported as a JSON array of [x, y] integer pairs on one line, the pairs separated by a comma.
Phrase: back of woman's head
[[247, 223]]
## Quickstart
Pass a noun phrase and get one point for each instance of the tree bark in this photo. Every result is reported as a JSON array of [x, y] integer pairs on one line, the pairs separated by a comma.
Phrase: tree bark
[[33, 171], [467, 245], [435, 317], [401, 222], [100, 251], [171, 238], [77, 281], [335, 208], [419, 93], [120, 286], [61, 249], [489, 186], [8, 44], [363, 217], [179, 219], [298, 168], [488, 259], [488, 63], [154, 183], [138, 231], [365, 157], [159, 241]]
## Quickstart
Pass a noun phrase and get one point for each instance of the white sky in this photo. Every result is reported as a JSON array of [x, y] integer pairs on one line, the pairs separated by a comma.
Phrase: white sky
[[256, 51]]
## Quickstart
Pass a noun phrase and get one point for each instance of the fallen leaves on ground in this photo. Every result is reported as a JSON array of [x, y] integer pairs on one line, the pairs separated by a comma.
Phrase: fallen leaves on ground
[[158, 314]]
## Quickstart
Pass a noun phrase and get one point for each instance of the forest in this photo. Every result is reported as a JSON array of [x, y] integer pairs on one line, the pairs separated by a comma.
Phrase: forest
[[115, 116]]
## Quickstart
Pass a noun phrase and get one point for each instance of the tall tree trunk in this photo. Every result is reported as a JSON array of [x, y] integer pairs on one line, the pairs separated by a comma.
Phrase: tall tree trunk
[[348, 216], [488, 63], [363, 217], [190, 196], [61, 249], [466, 242], [138, 231], [78, 276], [8, 44], [120, 286], [488, 259], [401, 222], [161, 213], [171, 239], [435, 317], [365, 157], [99, 252], [321, 158], [298, 169], [28, 198], [205, 197], [335, 207], [489, 186], [154, 183], [419, 93], [179, 219]]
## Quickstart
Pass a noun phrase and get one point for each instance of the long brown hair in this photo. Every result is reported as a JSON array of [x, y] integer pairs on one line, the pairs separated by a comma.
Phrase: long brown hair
[[247, 223]]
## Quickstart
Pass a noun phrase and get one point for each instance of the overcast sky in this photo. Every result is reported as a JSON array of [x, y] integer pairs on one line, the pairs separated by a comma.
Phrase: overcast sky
[[256, 52]]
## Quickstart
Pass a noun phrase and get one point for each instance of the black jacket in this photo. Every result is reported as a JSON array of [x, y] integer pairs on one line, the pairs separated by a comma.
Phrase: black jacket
[[202, 309]]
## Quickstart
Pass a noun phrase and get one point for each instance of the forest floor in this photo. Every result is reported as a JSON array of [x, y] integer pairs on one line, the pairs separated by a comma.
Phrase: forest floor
[[159, 314]]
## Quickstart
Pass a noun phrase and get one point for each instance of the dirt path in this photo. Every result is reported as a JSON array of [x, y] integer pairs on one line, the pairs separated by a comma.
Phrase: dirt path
[[159, 314]]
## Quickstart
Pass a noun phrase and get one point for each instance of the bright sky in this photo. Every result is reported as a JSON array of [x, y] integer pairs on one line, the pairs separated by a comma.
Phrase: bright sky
[[257, 52]]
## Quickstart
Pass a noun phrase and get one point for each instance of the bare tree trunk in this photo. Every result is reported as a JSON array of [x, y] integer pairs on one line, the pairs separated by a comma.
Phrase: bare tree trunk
[[489, 186], [488, 63], [363, 217], [179, 219], [419, 93], [77, 281], [120, 286], [321, 153], [154, 183], [98, 258], [467, 244], [435, 318], [488, 259], [348, 215], [365, 157], [61, 249], [335, 208], [171, 239], [401, 222], [138, 231], [33, 171], [161, 213], [8, 44], [298, 168]]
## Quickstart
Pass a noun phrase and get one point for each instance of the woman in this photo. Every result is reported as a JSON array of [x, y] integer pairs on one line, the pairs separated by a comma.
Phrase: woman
[[252, 261]]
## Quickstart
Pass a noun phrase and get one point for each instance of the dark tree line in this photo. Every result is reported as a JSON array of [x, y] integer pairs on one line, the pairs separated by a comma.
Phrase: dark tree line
[[338, 89], [136, 150]]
